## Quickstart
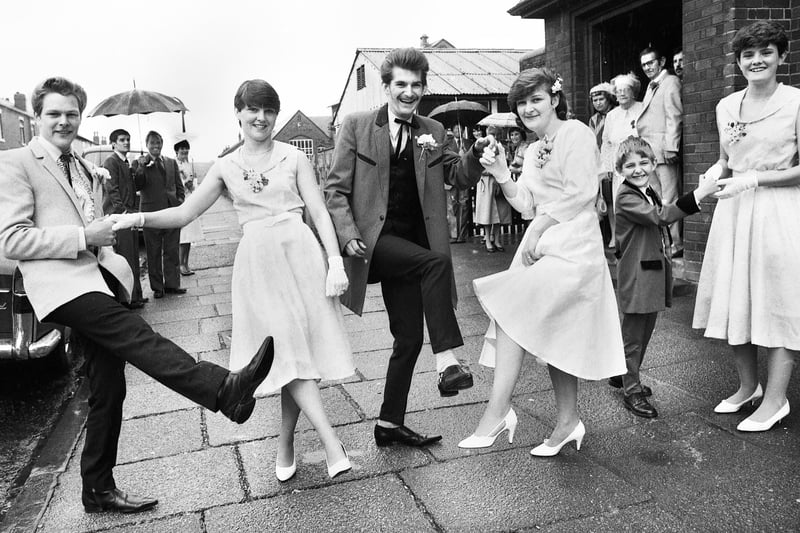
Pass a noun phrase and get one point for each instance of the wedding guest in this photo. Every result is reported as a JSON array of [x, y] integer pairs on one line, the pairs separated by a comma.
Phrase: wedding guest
[[603, 101], [677, 62], [492, 210], [619, 125], [280, 283], [748, 293], [556, 300], [193, 231], [644, 270]]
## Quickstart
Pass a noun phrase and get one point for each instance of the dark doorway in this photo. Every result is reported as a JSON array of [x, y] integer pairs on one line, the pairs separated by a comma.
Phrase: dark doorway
[[618, 36]]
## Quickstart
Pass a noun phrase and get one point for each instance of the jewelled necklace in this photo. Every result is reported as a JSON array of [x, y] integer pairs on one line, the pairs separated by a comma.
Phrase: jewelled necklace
[[255, 179]]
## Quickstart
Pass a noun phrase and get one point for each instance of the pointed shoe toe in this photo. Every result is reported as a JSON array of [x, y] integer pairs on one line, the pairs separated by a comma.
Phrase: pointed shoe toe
[[285, 473], [725, 407], [545, 450], [509, 422], [753, 426]]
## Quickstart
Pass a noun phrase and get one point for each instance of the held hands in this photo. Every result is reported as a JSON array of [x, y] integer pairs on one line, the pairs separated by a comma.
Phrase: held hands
[[493, 159], [101, 174], [356, 247], [708, 184], [100, 232], [336, 282], [733, 186], [126, 221]]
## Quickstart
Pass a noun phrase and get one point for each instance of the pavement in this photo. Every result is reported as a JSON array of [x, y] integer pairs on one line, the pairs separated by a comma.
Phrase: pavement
[[687, 470]]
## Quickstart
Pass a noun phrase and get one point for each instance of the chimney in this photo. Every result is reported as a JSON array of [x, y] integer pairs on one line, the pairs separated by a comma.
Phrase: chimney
[[20, 102], [423, 41]]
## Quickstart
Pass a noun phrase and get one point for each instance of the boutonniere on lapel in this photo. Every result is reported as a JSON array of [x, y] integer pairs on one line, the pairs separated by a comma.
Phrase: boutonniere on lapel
[[734, 131], [427, 145], [542, 155]]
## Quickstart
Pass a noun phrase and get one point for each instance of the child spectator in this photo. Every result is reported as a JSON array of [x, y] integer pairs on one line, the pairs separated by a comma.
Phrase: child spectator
[[644, 271]]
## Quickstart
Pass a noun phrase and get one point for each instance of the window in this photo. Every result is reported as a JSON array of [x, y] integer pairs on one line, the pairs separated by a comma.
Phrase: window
[[22, 131], [361, 80], [306, 146]]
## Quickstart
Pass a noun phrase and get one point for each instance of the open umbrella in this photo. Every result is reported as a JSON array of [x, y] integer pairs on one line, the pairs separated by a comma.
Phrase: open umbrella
[[139, 102], [458, 112], [500, 120]]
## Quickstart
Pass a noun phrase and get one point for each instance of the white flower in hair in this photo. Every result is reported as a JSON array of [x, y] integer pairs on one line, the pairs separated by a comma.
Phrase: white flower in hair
[[557, 85]]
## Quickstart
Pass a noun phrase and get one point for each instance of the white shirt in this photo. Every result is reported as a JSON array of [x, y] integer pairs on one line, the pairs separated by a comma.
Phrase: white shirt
[[394, 130]]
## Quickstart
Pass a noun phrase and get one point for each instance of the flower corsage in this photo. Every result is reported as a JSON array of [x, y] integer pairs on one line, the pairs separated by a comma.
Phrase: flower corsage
[[735, 131], [427, 144], [542, 155]]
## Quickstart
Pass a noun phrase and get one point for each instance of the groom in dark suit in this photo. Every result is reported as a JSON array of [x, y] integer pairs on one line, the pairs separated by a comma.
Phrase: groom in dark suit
[[52, 224], [158, 181], [385, 192]]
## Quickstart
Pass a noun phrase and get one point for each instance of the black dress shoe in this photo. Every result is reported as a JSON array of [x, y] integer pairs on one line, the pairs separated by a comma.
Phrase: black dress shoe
[[453, 379], [158, 294], [135, 305], [235, 395], [115, 500], [637, 404], [616, 382], [179, 290], [402, 435]]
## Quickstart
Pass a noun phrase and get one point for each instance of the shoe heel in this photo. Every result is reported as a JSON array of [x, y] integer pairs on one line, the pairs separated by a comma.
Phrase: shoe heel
[[578, 443]]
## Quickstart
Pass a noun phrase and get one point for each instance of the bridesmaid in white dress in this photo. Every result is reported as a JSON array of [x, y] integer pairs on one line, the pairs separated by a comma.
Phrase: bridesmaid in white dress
[[556, 301], [748, 292], [279, 284]]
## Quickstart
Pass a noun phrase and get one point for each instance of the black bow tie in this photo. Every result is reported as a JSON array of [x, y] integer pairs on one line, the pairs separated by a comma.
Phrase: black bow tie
[[653, 196], [402, 122]]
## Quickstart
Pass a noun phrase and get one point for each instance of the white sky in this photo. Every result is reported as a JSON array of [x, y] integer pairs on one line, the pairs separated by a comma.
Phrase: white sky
[[200, 51]]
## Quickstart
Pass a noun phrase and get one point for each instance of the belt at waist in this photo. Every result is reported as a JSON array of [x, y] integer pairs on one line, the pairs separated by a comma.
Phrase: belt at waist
[[272, 221]]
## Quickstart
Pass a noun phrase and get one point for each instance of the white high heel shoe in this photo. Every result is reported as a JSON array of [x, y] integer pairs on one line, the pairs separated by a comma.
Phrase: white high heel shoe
[[509, 422], [751, 425], [543, 450], [285, 473], [340, 466], [729, 407]]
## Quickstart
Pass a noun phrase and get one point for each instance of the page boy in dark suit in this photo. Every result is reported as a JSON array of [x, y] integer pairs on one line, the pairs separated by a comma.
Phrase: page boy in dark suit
[[644, 271]]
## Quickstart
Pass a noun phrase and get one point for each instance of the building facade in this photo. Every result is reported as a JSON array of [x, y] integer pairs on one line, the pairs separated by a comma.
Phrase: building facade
[[592, 41], [312, 135], [17, 125]]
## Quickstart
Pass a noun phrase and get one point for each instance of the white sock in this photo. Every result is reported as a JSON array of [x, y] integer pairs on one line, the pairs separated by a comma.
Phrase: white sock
[[445, 359]]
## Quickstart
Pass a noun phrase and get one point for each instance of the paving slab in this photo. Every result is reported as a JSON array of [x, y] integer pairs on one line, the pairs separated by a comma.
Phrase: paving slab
[[368, 460], [511, 490], [182, 483], [160, 435], [151, 397], [650, 517], [377, 504]]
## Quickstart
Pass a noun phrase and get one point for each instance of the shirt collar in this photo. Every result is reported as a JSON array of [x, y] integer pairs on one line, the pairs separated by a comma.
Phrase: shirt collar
[[394, 127], [51, 149], [661, 76], [122, 157]]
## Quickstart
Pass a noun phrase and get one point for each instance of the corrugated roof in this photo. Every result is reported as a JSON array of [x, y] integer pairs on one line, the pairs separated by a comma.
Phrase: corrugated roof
[[457, 71]]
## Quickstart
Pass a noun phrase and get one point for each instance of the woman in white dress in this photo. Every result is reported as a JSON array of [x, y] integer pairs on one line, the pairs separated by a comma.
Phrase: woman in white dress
[[748, 292], [619, 125], [556, 301], [279, 284], [193, 231]]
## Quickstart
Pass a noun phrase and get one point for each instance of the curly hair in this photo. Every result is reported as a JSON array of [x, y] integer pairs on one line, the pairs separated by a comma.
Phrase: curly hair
[[760, 34], [627, 80], [527, 83], [59, 85]]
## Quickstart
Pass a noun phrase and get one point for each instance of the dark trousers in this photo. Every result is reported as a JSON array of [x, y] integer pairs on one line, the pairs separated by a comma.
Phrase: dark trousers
[[163, 258], [636, 332], [128, 247], [462, 212], [416, 282], [110, 336]]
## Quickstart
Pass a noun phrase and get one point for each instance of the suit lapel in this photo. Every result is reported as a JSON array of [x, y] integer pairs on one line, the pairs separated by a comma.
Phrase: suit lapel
[[383, 145], [419, 163], [52, 168]]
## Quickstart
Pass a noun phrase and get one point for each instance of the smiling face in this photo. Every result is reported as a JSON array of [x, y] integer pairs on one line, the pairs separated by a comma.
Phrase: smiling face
[[652, 65], [538, 110], [677, 63], [636, 169], [59, 120], [257, 122], [154, 144], [404, 92], [760, 63], [624, 96]]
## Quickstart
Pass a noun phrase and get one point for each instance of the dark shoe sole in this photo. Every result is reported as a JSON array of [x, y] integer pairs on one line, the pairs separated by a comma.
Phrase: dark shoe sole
[[639, 413], [263, 361], [452, 388], [430, 440], [91, 509]]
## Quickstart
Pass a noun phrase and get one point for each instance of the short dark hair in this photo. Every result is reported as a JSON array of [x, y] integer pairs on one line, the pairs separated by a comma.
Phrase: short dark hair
[[116, 133], [527, 83], [256, 93], [151, 134], [651, 50], [181, 144], [59, 85], [405, 58], [633, 145], [760, 34]]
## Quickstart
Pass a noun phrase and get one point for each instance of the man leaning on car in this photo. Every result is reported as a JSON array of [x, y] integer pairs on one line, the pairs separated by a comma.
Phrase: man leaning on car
[[119, 196]]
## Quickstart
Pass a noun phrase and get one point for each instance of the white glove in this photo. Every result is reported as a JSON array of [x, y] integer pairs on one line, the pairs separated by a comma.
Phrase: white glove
[[130, 220], [101, 174], [336, 281], [733, 186], [714, 172]]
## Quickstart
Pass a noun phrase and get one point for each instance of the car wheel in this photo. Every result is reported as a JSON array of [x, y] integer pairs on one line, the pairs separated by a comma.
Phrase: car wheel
[[59, 361]]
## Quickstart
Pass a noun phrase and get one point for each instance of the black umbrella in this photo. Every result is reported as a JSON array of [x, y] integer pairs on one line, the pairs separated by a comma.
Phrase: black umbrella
[[139, 102], [459, 111]]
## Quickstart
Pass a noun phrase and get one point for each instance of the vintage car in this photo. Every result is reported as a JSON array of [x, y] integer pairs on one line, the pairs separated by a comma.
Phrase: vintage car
[[22, 336]]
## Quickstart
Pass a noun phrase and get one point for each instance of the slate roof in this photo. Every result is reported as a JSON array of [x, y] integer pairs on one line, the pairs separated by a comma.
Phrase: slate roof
[[457, 71]]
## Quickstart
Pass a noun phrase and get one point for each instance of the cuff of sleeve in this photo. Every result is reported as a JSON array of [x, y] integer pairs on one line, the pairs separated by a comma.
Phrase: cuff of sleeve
[[688, 204], [81, 240]]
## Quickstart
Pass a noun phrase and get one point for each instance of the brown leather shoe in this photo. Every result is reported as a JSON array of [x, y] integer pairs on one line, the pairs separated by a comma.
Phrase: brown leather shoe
[[235, 395], [115, 501]]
